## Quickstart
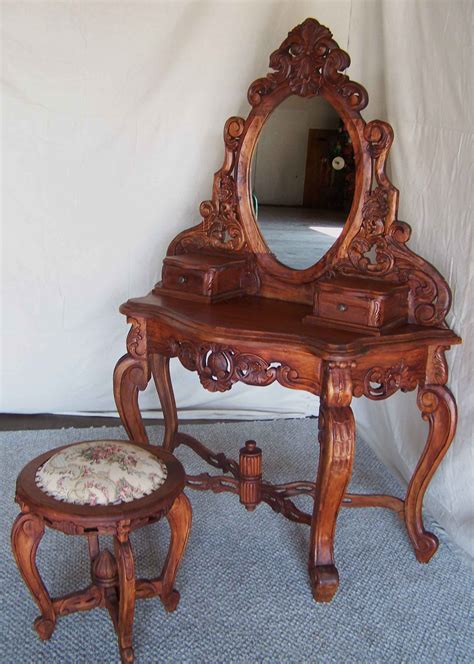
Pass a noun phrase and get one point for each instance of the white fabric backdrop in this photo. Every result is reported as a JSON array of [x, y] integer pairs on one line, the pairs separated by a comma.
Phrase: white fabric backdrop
[[112, 122]]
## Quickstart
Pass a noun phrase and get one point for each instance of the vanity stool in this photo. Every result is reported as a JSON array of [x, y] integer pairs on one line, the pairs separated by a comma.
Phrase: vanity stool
[[101, 487]]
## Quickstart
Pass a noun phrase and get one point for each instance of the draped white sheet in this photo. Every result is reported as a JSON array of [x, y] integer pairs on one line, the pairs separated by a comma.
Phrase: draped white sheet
[[112, 121]]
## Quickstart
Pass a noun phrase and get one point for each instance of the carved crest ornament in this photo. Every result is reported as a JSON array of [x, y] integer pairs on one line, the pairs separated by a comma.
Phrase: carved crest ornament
[[373, 243]]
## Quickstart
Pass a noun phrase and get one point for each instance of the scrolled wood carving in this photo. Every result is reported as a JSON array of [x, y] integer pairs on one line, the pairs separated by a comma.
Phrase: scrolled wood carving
[[131, 375], [437, 366], [307, 61], [219, 367], [379, 249], [221, 227], [136, 338], [381, 382]]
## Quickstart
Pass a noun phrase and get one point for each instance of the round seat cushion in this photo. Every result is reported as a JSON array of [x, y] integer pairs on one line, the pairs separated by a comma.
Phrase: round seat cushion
[[101, 472]]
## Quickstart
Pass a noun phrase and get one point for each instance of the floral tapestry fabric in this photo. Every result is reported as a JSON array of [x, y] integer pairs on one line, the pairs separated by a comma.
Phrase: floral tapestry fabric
[[101, 472]]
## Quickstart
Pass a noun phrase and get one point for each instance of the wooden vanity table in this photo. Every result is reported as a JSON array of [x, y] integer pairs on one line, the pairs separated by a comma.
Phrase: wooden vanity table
[[366, 319]]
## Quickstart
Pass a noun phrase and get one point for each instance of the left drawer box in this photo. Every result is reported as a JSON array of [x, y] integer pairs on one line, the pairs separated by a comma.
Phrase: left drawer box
[[184, 280], [202, 277]]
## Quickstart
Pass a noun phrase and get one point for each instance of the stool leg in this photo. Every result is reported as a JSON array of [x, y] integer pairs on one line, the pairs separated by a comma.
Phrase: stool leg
[[126, 574], [179, 518], [94, 551], [26, 535]]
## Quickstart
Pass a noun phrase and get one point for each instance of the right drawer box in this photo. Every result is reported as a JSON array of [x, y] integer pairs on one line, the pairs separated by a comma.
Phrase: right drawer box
[[365, 305]]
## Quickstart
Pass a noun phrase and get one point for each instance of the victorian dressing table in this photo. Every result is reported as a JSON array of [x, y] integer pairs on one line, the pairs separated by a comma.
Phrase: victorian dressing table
[[366, 319]]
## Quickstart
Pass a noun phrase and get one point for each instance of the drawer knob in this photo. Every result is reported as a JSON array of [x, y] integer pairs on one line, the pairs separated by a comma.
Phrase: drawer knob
[[342, 307], [182, 279]]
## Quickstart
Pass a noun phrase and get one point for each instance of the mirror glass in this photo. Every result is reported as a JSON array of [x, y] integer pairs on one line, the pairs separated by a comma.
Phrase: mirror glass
[[303, 176]]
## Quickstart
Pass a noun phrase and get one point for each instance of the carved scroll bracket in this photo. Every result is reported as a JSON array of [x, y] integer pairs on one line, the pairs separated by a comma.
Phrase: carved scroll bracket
[[132, 374], [378, 249], [136, 338], [221, 228], [134, 366]]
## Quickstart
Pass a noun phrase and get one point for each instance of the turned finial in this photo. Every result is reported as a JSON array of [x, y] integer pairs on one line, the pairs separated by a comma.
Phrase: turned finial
[[250, 466]]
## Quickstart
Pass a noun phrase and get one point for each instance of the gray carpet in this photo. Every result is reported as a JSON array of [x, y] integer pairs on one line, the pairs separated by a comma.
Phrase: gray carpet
[[244, 589]]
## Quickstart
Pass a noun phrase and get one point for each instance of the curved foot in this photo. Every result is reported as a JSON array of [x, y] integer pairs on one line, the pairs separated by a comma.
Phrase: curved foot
[[324, 582], [179, 519], [27, 532], [127, 655], [44, 627], [171, 601], [426, 546], [438, 407]]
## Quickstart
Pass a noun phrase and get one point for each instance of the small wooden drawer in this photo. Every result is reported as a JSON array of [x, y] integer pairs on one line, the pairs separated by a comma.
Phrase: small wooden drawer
[[203, 277], [353, 308], [366, 305], [183, 279]]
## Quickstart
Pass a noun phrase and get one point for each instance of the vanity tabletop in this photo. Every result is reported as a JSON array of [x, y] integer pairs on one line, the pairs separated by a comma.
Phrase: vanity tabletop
[[253, 318]]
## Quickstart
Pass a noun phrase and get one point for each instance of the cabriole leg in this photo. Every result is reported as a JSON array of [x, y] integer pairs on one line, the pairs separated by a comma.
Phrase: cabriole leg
[[126, 609], [336, 438], [131, 375], [438, 407], [179, 519], [160, 368], [27, 532]]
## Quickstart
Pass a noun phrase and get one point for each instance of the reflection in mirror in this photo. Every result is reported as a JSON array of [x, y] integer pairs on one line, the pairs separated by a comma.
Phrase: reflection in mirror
[[303, 176]]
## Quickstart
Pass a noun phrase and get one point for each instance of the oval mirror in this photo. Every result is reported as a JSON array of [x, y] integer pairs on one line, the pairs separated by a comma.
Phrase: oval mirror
[[303, 176]]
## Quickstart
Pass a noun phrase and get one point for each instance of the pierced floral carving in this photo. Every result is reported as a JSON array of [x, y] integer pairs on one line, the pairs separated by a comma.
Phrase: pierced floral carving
[[219, 367], [371, 236], [381, 382], [307, 61]]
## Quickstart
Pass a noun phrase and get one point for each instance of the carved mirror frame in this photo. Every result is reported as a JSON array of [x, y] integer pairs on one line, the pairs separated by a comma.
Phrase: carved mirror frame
[[372, 243]]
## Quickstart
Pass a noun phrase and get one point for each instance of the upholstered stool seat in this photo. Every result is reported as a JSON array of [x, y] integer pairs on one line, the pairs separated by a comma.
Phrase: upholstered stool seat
[[101, 472], [95, 488]]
